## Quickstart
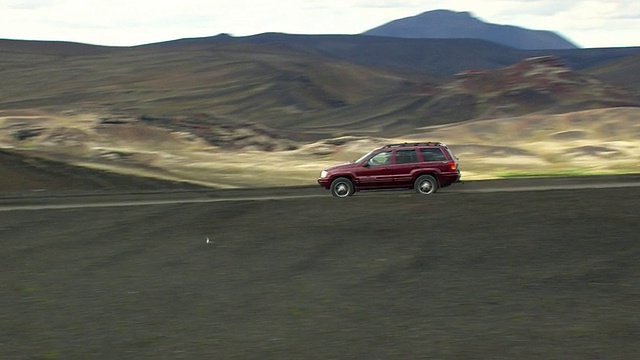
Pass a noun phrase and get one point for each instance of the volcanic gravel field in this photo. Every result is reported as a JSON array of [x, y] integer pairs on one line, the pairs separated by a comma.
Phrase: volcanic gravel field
[[484, 270]]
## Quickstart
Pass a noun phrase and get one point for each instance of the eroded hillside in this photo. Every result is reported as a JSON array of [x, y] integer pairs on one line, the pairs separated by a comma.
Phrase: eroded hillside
[[235, 114], [535, 85]]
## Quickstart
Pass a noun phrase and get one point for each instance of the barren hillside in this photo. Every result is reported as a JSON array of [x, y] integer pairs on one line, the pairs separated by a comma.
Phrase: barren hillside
[[235, 114]]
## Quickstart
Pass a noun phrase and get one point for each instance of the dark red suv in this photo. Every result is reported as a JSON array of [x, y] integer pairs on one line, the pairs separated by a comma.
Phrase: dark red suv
[[426, 167]]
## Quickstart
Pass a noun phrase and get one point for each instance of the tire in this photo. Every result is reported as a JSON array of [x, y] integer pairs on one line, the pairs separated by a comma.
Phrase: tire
[[425, 185], [342, 187]]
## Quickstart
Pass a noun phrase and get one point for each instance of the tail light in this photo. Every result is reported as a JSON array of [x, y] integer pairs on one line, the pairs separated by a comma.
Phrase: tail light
[[452, 165]]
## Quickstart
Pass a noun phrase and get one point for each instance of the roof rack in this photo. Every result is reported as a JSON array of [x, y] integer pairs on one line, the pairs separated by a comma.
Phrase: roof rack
[[434, 143]]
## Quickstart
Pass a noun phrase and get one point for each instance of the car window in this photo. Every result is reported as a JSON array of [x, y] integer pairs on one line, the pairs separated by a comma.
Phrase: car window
[[432, 154], [383, 158], [451, 156], [406, 156]]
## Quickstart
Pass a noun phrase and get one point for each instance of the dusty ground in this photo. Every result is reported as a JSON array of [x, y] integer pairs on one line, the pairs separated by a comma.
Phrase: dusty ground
[[512, 275]]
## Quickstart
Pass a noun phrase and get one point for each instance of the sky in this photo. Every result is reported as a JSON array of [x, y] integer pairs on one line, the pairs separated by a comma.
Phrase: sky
[[586, 23]]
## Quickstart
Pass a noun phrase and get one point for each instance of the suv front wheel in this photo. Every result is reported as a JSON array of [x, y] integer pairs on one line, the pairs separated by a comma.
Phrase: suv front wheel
[[342, 187], [425, 185]]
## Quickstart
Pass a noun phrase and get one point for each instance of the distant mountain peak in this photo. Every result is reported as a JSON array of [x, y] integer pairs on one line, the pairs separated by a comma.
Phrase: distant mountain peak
[[449, 12], [447, 24]]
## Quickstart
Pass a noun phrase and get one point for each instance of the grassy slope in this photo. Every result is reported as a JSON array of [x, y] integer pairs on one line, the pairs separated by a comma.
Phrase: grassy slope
[[593, 141], [588, 142]]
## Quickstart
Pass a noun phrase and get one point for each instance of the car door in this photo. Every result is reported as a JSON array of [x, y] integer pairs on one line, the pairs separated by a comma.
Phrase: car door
[[403, 166], [375, 171]]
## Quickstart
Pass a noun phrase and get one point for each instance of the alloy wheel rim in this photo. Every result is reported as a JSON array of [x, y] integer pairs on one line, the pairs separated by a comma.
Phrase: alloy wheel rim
[[426, 187]]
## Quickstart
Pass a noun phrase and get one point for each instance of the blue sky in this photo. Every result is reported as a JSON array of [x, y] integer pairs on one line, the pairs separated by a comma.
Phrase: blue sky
[[589, 23]]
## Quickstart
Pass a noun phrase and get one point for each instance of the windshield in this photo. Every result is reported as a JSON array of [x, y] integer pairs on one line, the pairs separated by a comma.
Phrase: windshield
[[363, 157]]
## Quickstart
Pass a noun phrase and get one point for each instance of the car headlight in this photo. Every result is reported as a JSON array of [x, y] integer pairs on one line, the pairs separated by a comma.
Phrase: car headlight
[[323, 174]]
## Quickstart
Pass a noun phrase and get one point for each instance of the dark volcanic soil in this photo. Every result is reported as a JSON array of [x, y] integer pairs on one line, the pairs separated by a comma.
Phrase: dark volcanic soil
[[20, 172], [512, 275]]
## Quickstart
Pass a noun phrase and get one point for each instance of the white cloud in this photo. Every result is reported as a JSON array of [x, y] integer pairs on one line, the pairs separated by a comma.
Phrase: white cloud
[[27, 4], [589, 23]]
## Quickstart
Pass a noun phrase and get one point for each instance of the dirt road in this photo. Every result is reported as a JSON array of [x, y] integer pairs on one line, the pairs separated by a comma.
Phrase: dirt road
[[524, 271]]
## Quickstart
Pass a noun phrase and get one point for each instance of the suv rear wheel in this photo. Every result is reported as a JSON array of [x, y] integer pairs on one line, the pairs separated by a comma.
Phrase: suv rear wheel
[[425, 185], [342, 187]]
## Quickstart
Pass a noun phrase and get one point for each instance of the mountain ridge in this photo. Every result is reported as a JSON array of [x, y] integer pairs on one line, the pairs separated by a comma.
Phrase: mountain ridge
[[431, 56]]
